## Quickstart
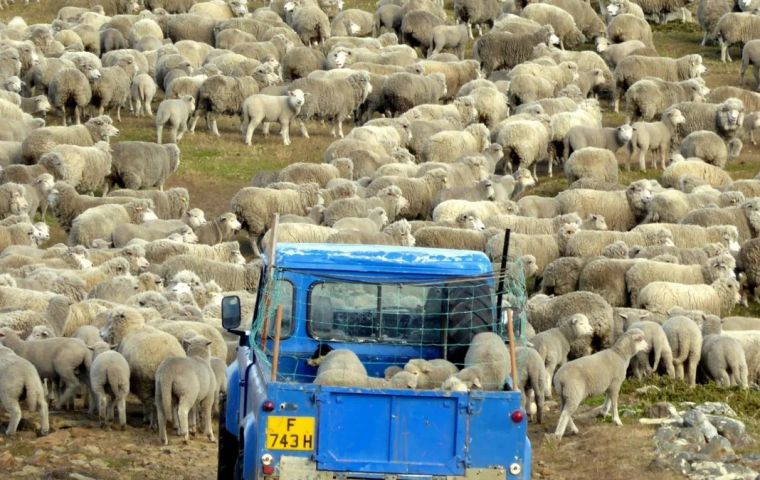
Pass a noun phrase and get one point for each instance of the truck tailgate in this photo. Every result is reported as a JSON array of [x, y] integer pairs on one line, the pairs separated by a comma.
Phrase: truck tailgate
[[412, 432]]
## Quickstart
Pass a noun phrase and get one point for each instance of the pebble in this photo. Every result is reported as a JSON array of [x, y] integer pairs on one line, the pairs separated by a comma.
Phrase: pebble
[[91, 449]]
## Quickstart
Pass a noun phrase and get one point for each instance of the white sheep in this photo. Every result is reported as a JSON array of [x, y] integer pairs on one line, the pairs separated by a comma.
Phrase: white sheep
[[266, 108], [602, 372], [109, 381], [486, 362], [553, 345], [717, 298], [18, 379], [176, 113], [658, 345], [650, 137], [685, 339], [723, 358]]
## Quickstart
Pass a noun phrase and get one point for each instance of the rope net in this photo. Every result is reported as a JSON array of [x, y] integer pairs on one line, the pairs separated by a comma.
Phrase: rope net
[[385, 324]]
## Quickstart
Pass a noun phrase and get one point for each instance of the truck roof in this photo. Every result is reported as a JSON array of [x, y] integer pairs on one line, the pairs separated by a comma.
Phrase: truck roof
[[412, 262]]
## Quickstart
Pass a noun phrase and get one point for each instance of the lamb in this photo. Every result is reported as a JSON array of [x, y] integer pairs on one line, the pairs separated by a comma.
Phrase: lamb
[[655, 136], [71, 88], [602, 372], [750, 57], [621, 209], [658, 345], [193, 382], [717, 298], [419, 191], [374, 222], [255, 206], [168, 204], [644, 273], [142, 90], [447, 146], [20, 234], [99, 222], [553, 344], [42, 140], [390, 198], [84, 168], [562, 22], [19, 378], [685, 339], [735, 27], [706, 145], [222, 95], [592, 163], [722, 357], [485, 362], [222, 228], [282, 109], [58, 358], [647, 97], [580, 136], [454, 37], [141, 165], [636, 67], [175, 112], [229, 276], [311, 23], [430, 373], [109, 381], [497, 50], [709, 174]]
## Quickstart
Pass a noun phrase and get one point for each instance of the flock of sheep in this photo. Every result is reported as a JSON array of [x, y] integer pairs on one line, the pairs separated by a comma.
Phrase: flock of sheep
[[441, 155]]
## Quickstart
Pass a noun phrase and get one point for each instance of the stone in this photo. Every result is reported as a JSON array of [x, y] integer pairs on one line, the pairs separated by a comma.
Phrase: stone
[[29, 471], [647, 389], [721, 471], [679, 445], [98, 463], [697, 418], [91, 449], [693, 435], [717, 408], [661, 410], [718, 448], [734, 430], [666, 433], [7, 462]]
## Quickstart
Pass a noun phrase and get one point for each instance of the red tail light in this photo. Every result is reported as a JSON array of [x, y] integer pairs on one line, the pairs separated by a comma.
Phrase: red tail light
[[267, 469], [517, 416], [267, 406]]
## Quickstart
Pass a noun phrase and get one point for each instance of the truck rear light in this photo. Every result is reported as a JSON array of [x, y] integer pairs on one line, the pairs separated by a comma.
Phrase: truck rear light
[[515, 469], [266, 459], [517, 416], [267, 469], [267, 406]]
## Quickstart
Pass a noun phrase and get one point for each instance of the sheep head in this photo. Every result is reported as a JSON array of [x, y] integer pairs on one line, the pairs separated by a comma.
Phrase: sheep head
[[470, 220], [119, 322]]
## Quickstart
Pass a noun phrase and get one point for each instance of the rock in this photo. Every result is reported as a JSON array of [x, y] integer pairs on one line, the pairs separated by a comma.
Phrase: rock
[[694, 435], [662, 410], [697, 418], [39, 457], [98, 463], [717, 470], [91, 449], [7, 462], [666, 462], [666, 433], [716, 408], [734, 430], [29, 471], [647, 389], [718, 448]]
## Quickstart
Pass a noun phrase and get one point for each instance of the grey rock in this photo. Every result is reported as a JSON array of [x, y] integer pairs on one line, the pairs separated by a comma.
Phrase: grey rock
[[662, 410], [716, 408], [697, 418], [694, 435], [734, 430], [666, 433], [718, 448]]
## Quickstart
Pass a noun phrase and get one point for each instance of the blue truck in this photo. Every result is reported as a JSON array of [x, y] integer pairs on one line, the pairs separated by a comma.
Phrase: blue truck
[[388, 305]]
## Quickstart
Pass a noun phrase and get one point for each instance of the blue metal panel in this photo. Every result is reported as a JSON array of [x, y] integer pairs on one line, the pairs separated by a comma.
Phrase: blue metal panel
[[251, 455], [397, 264], [404, 432], [493, 438], [233, 399]]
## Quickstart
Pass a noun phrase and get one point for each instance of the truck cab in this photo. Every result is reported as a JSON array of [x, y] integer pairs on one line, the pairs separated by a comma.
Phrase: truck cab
[[388, 305]]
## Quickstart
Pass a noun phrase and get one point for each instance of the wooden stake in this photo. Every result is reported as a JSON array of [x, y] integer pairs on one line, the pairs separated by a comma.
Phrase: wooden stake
[[270, 273], [513, 359], [276, 346]]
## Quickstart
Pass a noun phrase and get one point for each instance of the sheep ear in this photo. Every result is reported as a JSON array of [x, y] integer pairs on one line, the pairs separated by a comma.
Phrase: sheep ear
[[624, 316], [476, 383]]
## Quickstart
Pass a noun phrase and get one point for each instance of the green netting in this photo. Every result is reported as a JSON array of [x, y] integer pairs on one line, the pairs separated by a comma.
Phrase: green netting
[[386, 323]]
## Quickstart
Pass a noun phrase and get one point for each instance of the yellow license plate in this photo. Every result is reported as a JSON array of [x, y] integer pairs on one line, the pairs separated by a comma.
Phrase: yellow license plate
[[290, 433]]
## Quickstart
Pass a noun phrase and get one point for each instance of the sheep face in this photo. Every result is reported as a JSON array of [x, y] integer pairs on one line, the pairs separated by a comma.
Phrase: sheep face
[[595, 222], [238, 8], [194, 218], [454, 384], [103, 127], [612, 10], [17, 203], [13, 84], [42, 233], [624, 133], [639, 195], [602, 44], [581, 325], [41, 332], [696, 68], [469, 221], [640, 343], [119, 322]]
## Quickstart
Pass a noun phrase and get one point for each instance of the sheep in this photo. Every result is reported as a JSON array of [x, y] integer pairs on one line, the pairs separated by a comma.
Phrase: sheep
[[109, 382], [497, 50], [390, 198], [593, 163], [169, 204], [112, 88], [585, 17], [193, 382], [734, 27], [706, 145], [311, 23], [581, 136], [619, 208], [141, 165], [457, 73], [647, 97], [142, 90], [747, 258], [419, 191], [725, 119], [694, 236], [531, 226], [99, 222], [602, 372], [20, 234], [452, 237], [447, 146], [254, 206], [485, 362], [220, 229], [454, 37], [220, 94], [282, 109], [657, 345], [84, 168], [374, 222], [12, 200], [448, 211], [175, 112], [685, 256], [606, 277], [229, 276], [644, 273], [636, 67], [397, 233], [670, 206], [722, 357], [716, 298], [525, 143], [477, 13], [655, 136], [751, 58], [744, 217], [403, 91], [685, 339], [553, 344], [71, 88], [710, 174], [42, 140], [59, 358], [562, 22], [19, 378]]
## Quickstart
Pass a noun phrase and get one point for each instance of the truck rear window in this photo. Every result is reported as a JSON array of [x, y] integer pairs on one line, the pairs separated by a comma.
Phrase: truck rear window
[[372, 312]]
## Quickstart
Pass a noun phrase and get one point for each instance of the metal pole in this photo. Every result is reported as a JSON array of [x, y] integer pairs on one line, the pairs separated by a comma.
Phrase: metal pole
[[502, 274], [276, 346], [513, 359], [270, 273]]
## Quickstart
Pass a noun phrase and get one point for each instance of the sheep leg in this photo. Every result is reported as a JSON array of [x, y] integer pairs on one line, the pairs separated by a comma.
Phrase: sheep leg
[[122, 406], [704, 39], [118, 113], [642, 157], [63, 114], [192, 420], [162, 437], [72, 383], [249, 132], [192, 125], [742, 71], [285, 131], [44, 417], [723, 49], [159, 132], [173, 134], [77, 115], [182, 130], [14, 412], [212, 119], [613, 394], [183, 412], [102, 406], [692, 370], [150, 114], [340, 127], [206, 406]]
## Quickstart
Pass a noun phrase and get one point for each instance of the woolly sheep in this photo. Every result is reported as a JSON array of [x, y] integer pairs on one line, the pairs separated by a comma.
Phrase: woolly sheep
[[725, 119], [311, 23], [220, 229], [98, 222], [44, 139], [722, 358], [229, 276], [109, 382], [562, 22], [455, 37], [655, 136], [71, 88], [477, 13], [619, 208], [142, 90], [746, 218], [192, 381], [486, 359], [497, 50], [12, 200], [706, 145], [647, 97], [448, 211], [19, 378], [658, 346], [402, 91], [590, 162], [221, 94], [282, 109], [139, 165], [627, 27], [448, 146], [685, 339], [735, 27], [586, 19], [581, 136], [419, 191], [84, 168], [553, 344], [716, 298], [606, 277], [390, 198], [55, 358], [524, 142], [601, 372], [175, 112]]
